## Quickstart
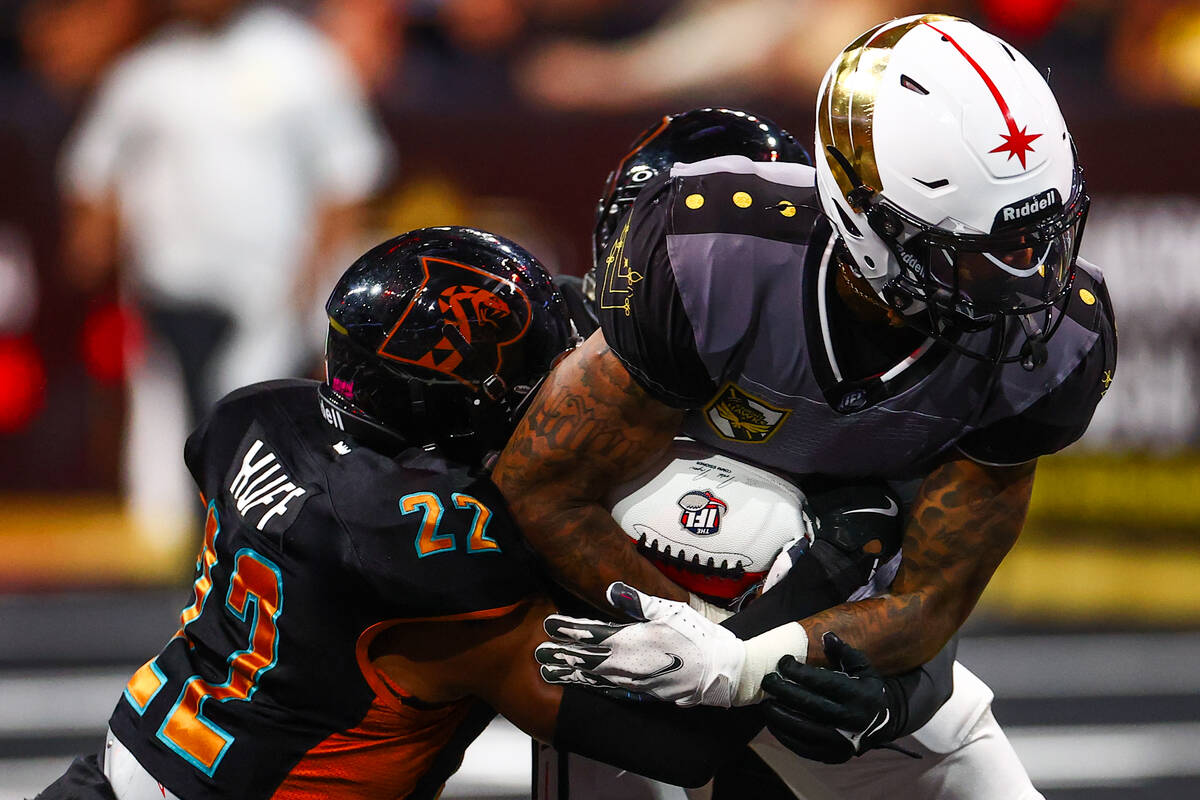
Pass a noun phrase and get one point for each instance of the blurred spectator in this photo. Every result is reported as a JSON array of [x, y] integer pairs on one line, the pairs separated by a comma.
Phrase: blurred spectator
[[370, 33], [222, 164], [51, 52], [71, 41], [705, 51], [459, 54]]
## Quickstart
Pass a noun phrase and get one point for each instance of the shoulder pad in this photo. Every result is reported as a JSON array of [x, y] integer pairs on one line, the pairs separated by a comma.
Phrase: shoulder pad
[[433, 544], [1090, 304], [742, 203]]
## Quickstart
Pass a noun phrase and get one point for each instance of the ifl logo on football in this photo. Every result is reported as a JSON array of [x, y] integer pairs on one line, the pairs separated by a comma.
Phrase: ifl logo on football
[[701, 512]]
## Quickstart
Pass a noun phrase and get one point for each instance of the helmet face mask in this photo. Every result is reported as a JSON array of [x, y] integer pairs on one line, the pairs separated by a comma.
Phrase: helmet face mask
[[439, 337], [982, 277], [958, 217]]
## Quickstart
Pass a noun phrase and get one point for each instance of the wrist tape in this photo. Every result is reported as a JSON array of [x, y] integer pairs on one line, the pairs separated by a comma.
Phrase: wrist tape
[[762, 655]]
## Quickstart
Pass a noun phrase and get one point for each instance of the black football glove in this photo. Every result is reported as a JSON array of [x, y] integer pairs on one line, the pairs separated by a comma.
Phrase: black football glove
[[832, 715], [859, 528]]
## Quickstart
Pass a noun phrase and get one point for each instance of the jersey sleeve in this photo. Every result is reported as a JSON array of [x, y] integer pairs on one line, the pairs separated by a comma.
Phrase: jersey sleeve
[[1063, 414], [640, 308], [679, 746]]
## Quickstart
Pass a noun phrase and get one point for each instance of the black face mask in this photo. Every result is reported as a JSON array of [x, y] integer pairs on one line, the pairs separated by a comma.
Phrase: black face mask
[[1023, 270]]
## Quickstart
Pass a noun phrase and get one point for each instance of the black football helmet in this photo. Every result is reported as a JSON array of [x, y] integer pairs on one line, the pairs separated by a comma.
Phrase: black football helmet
[[439, 337], [686, 137]]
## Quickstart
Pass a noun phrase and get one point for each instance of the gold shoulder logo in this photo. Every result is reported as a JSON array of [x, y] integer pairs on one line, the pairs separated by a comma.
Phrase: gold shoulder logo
[[617, 286], [741, 417]]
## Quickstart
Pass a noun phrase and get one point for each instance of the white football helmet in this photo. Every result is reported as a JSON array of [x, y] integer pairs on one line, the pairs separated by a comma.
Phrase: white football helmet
[[945, 165]]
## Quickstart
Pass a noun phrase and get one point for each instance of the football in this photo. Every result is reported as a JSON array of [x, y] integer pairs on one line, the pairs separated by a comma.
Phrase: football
[[711, 523]]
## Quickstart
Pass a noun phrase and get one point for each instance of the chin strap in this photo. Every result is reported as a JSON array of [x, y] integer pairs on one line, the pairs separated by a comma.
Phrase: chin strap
[[1033, 351], [859, 196]]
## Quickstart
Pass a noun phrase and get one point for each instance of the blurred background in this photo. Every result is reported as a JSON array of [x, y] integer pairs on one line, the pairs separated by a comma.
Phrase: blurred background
[[183, 178]]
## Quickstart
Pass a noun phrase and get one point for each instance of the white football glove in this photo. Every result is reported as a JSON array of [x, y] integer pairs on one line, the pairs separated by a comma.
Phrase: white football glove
[[674, 653]]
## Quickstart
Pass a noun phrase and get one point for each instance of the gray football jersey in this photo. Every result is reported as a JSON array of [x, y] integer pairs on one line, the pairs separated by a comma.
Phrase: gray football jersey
[[717, 296]]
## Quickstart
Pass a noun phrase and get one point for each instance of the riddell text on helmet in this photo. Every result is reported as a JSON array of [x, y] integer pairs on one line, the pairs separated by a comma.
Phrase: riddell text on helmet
[[1030, 206]]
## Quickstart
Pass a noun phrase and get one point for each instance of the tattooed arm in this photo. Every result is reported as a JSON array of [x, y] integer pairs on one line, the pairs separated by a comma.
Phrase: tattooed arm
[[966, 517], [591, 427]]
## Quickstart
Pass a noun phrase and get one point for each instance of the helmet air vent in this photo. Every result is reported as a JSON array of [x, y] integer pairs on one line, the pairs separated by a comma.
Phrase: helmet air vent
[[912, 86], [939, 183]]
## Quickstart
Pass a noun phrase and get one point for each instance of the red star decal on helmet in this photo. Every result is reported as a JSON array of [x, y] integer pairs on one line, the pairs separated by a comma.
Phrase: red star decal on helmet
[[1016, 142]]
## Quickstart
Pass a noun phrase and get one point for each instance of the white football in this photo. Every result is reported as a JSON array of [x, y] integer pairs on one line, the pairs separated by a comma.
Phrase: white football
[[710, 522]]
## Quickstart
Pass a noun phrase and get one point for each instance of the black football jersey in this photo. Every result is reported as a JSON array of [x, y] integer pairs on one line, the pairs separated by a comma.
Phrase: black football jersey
[[313, 545], [718, 296]]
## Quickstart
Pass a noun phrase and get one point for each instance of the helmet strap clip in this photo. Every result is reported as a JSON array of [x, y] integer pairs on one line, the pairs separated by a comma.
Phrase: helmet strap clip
[[1033, 354], [1033, 351], [897, 296], [859, 197], [493, 386]]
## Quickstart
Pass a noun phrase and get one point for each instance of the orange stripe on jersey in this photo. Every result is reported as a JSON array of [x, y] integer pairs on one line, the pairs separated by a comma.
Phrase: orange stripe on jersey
[[384, 756], [373, 676], [394, 745]]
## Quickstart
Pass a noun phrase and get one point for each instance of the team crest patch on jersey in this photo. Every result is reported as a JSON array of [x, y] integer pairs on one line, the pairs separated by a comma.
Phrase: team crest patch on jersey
[[741, 417], [701, 512]]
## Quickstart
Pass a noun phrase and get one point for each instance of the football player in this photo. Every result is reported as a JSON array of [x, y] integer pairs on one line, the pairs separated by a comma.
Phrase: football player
[[363, 604], [965, 753], [912, 309]]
